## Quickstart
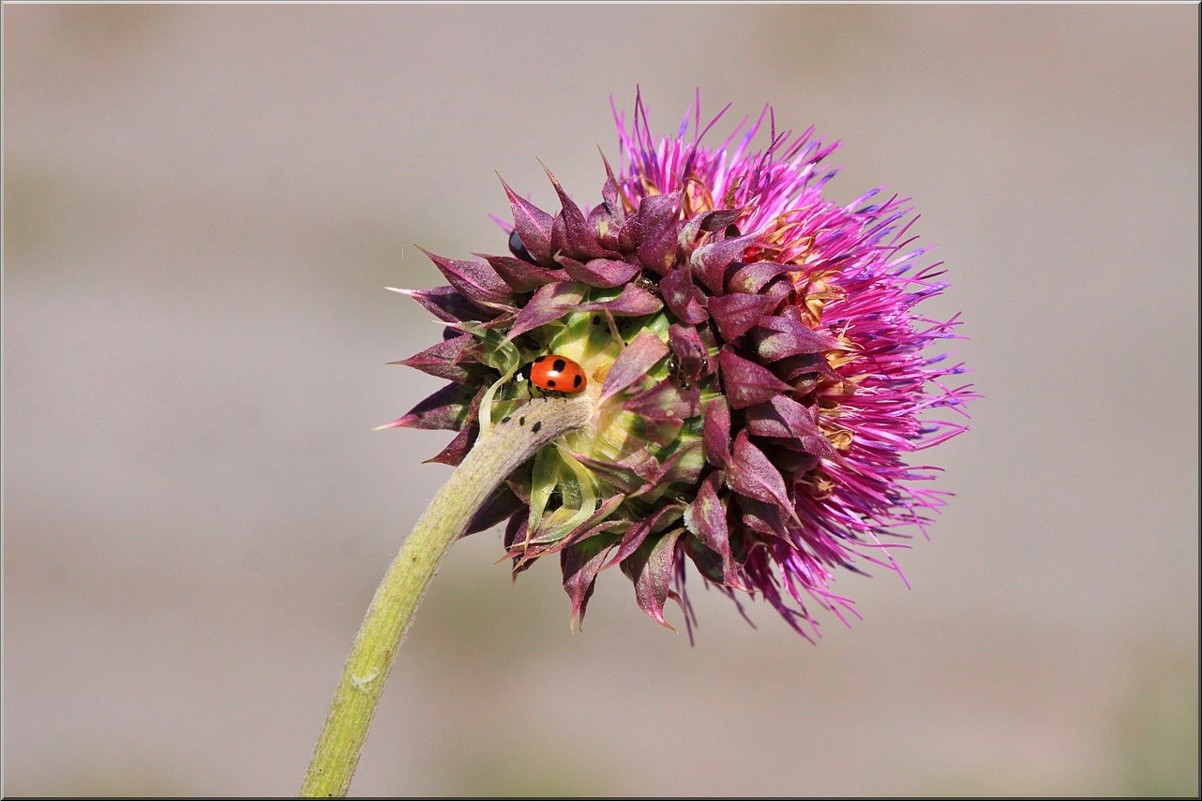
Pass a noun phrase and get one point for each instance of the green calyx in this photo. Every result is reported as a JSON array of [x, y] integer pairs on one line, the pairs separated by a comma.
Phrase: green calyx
[[624, 465]]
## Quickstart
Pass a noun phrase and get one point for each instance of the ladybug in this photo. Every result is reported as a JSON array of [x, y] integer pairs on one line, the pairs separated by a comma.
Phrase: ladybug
[[555, 373]]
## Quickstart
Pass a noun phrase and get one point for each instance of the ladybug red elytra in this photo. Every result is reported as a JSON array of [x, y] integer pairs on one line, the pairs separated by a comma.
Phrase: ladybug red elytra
[[555, 373]]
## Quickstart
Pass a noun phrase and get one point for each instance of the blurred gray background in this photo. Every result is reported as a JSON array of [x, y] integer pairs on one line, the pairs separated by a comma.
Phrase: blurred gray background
[[202, 205]]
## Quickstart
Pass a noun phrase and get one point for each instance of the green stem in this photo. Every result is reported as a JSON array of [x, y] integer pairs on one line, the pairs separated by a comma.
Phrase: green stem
[[494, 457]]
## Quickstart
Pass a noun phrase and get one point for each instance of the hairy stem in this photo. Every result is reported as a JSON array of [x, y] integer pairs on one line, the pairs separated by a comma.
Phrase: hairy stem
[[506, 447]]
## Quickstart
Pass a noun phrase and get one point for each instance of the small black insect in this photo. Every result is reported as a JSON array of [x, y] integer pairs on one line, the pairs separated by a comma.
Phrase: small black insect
[[517, 248]]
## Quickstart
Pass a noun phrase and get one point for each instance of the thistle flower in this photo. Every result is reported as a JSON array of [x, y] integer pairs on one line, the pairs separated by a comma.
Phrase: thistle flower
[[758, 371]]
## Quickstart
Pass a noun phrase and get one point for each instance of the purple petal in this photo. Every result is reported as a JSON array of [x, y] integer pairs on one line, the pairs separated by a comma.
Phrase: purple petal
[[778, 337], [786, 418], [633, 302], [716, 432], [609, 192], [711, 222], [710, 262], [747, 383], [652, 232], [652, 571], [663, 432], [445, 409], [631, 475], [659, 520], [779, 291], [580, 564], [753, 475], [515, 529], [791, 459], [603, 273], [445, 303], [633, 363], [692, 357], [532, 224], [764, 421], [476, 280], [658, 251], [705, 518], [655, 212], [519, 481], [515, 532], [458, 447], [570, 232], [682, 298], [550, 302], [598, 521], [752, 278], [763, 517], [521, 275], [708, 563], [497, 507], [666, 401], [606, 220], [736, 314], [720, 219], [605, 226], [792, 368], [443, 360], [684, 465], [690, 232]]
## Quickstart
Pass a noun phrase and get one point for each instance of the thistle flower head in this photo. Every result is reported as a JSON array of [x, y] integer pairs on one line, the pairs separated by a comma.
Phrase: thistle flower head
[[759, 373]]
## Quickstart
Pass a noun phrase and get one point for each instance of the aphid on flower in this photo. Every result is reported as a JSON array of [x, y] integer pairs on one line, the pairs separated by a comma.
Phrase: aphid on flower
[[554, 373]]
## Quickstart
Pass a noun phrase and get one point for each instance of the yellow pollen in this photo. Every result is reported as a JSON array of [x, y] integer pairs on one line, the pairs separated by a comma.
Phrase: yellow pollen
[[839, 437]]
